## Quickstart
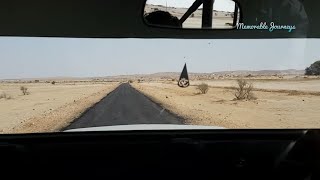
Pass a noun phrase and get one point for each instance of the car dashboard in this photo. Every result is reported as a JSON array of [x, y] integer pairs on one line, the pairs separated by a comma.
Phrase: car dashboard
[[200, 154]]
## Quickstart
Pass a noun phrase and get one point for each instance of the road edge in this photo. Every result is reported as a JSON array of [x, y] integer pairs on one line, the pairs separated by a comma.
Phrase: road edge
[[183, 119], [86, 110]]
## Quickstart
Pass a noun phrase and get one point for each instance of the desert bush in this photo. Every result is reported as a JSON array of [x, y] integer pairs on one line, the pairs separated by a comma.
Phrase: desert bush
[[9, 97], [244, 90], [3, 95], [313, 69], [24, 90], [130, 81], [192, 15], [203, 88], [53, 82]]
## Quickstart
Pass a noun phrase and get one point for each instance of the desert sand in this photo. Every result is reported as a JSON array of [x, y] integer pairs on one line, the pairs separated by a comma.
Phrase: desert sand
[[274, 108], [310, 85], [48, 107], [286, 102]]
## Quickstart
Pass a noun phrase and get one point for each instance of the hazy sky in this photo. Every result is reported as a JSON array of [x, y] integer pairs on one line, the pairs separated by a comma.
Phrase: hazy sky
[[219, 5], [50, 57]]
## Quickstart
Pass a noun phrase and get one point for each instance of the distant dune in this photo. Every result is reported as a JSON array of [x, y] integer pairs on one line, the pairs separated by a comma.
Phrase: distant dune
[[170, 75], [236, 73], [213, 75], [264, 72]]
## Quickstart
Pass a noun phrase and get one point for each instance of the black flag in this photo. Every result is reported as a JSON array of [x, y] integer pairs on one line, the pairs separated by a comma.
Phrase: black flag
[[184, 78]]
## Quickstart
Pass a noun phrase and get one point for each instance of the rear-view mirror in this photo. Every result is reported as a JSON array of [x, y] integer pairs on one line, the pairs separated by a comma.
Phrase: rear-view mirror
[[195, 14]]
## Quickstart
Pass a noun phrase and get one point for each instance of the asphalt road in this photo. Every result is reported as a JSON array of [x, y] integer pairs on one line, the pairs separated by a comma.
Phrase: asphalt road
[[125, 105]]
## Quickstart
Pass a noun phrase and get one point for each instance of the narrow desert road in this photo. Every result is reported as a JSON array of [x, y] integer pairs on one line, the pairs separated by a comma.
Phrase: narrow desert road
[[125, 105]]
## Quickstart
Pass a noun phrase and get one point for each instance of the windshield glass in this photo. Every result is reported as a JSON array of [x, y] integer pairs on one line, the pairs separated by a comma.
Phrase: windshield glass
[[56, 84]]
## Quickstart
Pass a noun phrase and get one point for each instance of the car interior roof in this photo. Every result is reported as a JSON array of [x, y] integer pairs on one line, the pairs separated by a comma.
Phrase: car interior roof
[[119, 19]]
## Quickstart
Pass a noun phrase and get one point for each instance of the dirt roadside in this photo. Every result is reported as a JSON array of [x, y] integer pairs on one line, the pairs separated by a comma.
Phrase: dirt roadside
[[217, 107], [48, 108]]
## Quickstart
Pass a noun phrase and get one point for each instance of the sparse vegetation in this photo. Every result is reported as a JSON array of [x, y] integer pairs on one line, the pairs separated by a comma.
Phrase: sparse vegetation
[[24, 90], [203, 88], [53, 82], [9, 97], [244, 90], [313, 69], [130, 81], [5, 96]]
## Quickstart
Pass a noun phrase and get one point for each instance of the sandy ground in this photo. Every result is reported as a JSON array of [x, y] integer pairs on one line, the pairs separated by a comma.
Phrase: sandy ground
[[217, 107], [48, 107], [217, 23], [298, 85]]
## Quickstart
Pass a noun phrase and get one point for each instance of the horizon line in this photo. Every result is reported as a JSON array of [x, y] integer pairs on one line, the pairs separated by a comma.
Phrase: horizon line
[[143, 74]]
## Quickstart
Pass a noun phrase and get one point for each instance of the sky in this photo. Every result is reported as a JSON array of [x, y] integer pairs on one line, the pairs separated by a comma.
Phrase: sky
[[31, 57], [219, 5]]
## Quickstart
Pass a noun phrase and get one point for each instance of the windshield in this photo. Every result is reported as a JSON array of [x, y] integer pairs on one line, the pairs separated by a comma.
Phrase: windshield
[[56, 84], [232, 64]]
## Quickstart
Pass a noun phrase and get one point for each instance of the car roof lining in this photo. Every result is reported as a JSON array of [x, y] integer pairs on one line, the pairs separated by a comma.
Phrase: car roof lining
[[120, 19]]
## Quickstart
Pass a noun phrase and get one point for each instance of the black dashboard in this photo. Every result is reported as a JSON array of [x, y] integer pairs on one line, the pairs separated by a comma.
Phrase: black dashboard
[[205, 154]]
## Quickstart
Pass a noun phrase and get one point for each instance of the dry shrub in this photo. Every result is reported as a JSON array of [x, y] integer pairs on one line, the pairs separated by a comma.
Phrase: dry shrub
[[294, 93], [244, 90], [203, 88], [53, 82], [5, 96], [24, 90]]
